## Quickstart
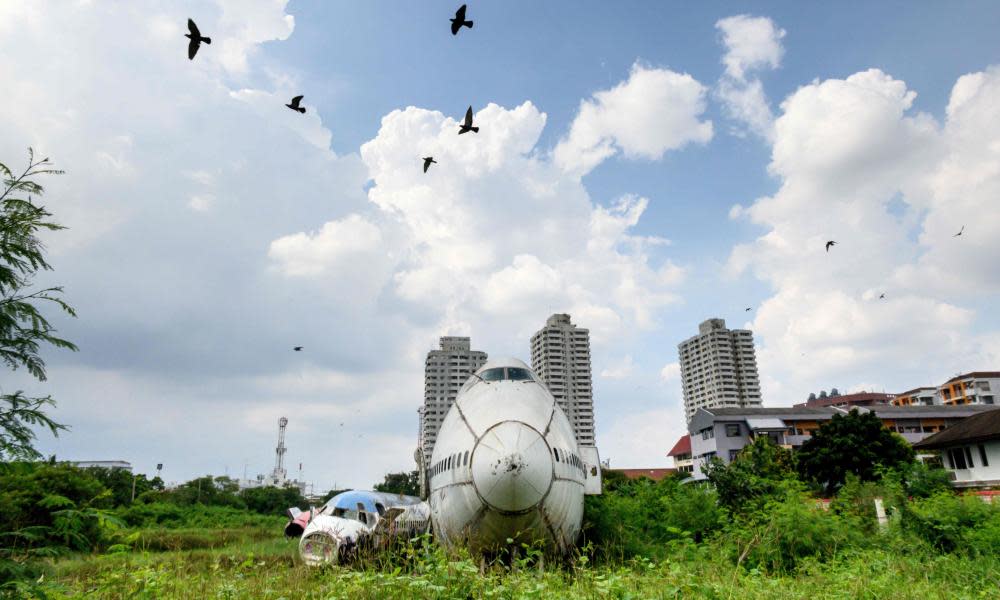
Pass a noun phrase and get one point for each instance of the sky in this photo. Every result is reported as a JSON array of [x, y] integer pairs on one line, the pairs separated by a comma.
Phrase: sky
[[643, 166]]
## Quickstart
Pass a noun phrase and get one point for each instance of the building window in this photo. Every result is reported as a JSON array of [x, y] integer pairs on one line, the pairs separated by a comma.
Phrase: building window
[[707, 433], [982, 456], [733, 430], [957, 458], [968, 457], [733, 454]]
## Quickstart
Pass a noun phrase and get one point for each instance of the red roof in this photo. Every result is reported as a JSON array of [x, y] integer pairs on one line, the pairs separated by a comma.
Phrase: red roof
[[683, 446]]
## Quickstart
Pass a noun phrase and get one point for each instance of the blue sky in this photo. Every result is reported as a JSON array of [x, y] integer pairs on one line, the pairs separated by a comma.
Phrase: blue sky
[[211, 229]]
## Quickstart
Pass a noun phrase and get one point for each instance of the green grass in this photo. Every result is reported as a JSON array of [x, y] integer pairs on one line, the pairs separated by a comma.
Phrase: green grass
[[255, 564]]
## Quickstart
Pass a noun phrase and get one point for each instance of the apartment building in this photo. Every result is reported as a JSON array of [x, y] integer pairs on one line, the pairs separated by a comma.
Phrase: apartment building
[[718, 369]]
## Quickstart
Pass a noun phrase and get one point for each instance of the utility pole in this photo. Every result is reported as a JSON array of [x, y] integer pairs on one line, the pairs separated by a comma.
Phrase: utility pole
[[134, 476]]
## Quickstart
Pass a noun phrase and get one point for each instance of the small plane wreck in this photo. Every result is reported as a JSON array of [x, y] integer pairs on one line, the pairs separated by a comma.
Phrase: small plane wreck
[[355, 521]]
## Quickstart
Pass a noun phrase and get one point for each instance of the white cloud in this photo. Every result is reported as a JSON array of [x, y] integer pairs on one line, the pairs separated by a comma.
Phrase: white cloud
[[670, 372], [620, 369], [349, 239], [654, 111], [844, 150], [752, 44], [643, 439]]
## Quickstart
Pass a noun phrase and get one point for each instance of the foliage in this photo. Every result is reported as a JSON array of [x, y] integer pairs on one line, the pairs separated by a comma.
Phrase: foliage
[[643, 518], [400, 483], [758, 473], [955, 523], [172, 516], [854, 443], [120, 482], [791, 530], [23, 327], [272, 500], [923, 480], [213, 491]]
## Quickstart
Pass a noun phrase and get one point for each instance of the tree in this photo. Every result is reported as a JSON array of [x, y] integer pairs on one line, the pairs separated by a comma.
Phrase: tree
[[759, 472], [400, 483], [23, 327], [852, 443], [123, 483], [273, 500]]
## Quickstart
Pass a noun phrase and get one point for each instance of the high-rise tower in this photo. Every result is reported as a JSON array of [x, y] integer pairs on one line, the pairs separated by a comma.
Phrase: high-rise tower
[[718, 368], [445, 371], [560, 356]]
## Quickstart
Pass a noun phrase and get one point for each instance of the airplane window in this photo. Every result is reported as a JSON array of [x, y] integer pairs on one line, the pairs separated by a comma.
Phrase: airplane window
[[465, 459], [518, 374], [380, 508], [492, 374], [556, 452]]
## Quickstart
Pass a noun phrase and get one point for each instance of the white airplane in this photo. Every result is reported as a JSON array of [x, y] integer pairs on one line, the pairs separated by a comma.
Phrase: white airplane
[[353, 522], [506, 465]]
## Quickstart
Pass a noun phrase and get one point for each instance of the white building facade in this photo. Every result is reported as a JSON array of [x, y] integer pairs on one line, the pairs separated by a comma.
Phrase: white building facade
[[560, 356], [445, 371], [718, 369]]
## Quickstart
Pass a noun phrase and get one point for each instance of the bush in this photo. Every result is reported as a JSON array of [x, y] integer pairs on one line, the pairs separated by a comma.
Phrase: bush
[[789, 531], [172, 516], [642, 518], [758, 474], [955, 523]]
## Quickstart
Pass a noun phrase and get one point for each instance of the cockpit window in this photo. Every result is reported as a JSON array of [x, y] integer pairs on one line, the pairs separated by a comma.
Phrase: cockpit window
[[518, 374], [508, 373], [492, 374]]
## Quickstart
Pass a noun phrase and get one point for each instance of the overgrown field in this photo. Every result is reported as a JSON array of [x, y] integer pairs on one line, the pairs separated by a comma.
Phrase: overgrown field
[[754, 531], [266, 568]]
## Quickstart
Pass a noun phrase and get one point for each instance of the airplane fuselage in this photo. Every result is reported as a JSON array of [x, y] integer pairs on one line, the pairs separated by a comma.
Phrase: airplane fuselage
[[506, 465]]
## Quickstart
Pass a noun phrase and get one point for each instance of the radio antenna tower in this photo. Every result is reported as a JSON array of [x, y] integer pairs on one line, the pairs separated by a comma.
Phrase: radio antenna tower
[[278, 476]]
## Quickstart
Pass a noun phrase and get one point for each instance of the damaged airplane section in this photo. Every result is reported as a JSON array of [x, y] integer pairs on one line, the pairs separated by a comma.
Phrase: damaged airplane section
[[355, 521]]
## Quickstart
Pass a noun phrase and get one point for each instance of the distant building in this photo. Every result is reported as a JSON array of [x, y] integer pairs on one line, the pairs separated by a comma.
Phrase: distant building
[[977, 387], [970, 449], [922, 396], [102, 464], [835, 398], [560, 356], [681, 453], [718, 368], [654, 474], [724, 432], [445, 371]]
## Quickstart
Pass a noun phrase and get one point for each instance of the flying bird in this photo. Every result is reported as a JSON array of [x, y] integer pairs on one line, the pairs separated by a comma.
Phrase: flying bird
[[881, 296], [196, 39], [830, 243], [295, 105], [459, 21], [748, 309], [427, 162], [959, 231], [467, 125], [297, 348]]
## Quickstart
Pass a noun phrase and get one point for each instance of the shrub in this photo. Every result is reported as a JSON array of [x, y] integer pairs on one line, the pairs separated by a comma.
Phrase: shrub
[[641, 517], [953, 523], [788, 531], [758, 474]]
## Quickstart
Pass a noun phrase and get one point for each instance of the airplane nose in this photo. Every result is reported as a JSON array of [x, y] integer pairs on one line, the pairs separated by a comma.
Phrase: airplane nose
[[512, 467]]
